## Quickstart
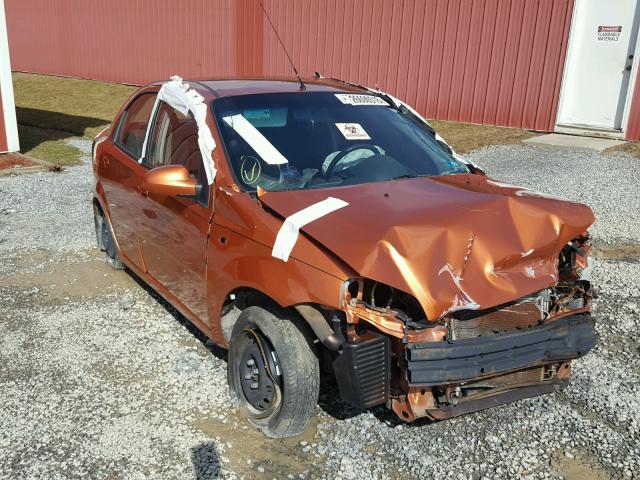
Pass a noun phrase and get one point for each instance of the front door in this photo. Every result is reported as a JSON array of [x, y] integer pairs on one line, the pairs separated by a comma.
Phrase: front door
[[598, 65], [122, 174], [173, 230]]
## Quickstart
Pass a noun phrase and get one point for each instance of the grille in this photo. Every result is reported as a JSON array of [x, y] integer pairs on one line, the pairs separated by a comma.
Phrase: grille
[[508, 317], [533, 375]]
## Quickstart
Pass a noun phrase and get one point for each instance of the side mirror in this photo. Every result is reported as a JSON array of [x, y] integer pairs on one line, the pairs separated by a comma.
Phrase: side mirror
[[171, 181]]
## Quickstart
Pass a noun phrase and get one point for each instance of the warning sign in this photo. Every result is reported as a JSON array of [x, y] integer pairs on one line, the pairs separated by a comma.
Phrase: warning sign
[[609, 33], [353, 131]]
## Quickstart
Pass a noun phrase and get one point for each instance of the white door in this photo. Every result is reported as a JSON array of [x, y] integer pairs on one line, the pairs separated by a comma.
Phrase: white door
[[599, 64]]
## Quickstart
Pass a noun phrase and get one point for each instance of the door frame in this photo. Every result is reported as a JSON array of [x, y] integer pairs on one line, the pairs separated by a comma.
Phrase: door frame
[[7, 103], [633, 78]]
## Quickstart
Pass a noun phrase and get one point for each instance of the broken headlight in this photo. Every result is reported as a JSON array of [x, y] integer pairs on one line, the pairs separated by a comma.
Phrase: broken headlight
[[380, 296]]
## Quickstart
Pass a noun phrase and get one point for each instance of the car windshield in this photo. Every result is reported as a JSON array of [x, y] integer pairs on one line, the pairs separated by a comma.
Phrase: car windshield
[[290, 141]]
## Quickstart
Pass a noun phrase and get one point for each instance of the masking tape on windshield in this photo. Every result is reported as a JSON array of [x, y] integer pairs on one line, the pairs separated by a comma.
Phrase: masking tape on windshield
[[176, 93], [255, 139], [288, 233]]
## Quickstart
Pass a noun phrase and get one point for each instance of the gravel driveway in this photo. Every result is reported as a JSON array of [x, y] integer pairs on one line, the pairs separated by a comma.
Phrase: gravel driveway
[[100, 378]]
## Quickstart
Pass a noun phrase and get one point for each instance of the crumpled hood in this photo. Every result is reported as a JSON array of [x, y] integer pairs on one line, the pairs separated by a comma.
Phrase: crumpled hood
[[454, 242]]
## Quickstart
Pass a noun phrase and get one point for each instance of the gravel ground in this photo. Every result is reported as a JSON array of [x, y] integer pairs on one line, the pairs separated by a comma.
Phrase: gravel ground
[[607, 183], [100, 378]]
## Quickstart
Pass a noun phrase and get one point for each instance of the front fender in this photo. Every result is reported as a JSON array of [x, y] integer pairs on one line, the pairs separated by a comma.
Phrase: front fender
[[235, 261]]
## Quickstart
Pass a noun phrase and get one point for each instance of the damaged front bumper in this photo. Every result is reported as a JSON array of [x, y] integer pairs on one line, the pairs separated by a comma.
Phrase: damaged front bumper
[[438, 363], [442, 379]]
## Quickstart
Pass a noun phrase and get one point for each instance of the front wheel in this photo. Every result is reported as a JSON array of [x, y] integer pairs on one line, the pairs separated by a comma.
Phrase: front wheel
[[273, 372], [106, 240]]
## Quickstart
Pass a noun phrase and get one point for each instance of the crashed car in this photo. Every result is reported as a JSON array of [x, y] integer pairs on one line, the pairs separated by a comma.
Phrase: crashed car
[[324, 225]]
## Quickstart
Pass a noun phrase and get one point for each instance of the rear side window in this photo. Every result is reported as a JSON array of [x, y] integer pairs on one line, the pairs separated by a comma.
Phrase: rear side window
[[133, 125], [174, 141]]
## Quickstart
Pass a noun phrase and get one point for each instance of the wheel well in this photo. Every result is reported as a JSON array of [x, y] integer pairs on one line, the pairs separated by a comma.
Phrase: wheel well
[[98, 222], [311, 316], [237, 301], [96, 203]]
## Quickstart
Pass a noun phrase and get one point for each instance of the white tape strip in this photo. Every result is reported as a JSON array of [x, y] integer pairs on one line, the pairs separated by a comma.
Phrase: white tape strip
[[253, 137], [176, 93], [288, 233]]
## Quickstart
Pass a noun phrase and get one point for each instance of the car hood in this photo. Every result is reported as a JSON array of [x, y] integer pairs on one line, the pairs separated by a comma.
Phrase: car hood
[[454, 242]]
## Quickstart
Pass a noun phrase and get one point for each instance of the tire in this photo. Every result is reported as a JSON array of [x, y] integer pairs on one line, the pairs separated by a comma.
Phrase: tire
[[106, 241], [291, 369]]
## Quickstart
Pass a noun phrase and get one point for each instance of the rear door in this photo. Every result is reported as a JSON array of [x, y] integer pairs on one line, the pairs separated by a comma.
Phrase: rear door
[[173, 230], [121, 174]]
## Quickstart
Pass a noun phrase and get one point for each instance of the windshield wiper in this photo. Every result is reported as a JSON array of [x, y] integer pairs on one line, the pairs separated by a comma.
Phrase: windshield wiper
[[407, 175]]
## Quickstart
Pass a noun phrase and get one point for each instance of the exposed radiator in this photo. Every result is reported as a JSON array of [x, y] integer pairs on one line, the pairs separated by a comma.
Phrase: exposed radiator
[[524, 313]]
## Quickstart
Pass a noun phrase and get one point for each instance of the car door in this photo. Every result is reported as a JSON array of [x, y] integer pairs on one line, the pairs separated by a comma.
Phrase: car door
[[173, 230], [121, 173]]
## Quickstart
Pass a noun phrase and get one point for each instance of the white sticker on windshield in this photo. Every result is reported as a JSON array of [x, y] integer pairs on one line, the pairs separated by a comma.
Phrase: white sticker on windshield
[[353, 131], [354, 99]]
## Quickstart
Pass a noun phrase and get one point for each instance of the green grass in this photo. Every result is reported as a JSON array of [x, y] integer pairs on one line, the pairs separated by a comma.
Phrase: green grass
[[48, 145], [466, 137], [631, 148], [53, 109]]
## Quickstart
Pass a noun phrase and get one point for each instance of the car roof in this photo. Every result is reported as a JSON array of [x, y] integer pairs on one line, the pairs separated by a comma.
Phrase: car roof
[[228, 87]]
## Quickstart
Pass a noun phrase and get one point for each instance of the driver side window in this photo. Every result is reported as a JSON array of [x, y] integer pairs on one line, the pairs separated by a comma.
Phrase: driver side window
[[174, 141]]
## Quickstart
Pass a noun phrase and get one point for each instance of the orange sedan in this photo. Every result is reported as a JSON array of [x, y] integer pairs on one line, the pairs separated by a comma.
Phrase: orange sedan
[[323, 224]]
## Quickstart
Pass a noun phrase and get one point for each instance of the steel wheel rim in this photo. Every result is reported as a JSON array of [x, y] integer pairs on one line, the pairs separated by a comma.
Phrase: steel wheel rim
[[259, 374]]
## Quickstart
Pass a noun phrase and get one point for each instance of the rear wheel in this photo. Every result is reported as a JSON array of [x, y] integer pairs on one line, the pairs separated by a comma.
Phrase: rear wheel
[[106, 240], [273, 372]]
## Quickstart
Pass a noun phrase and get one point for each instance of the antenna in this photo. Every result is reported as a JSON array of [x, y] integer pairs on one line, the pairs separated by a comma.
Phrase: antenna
[[302, 85]]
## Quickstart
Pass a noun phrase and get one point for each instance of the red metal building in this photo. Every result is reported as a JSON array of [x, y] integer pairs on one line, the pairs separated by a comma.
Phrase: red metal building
[[499, 62]]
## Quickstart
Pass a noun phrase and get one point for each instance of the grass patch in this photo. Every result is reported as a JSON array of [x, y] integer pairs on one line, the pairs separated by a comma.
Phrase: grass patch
[[631, 148], [48, 145], [81, 107], [466, 137], [51, 110]]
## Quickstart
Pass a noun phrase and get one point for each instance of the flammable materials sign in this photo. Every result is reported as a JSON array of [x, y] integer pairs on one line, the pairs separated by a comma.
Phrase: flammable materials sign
[[609, 33]]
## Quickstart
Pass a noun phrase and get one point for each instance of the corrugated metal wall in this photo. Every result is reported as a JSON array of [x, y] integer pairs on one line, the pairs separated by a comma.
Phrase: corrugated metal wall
[[128, 41], [481, 61]]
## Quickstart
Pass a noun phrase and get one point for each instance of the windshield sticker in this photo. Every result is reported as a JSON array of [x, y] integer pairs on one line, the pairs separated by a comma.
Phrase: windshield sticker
[[266, 117], [353, 131], [352, 99]]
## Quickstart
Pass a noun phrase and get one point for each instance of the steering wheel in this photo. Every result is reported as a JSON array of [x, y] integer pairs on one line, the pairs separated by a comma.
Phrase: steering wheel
[[336, 160]]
